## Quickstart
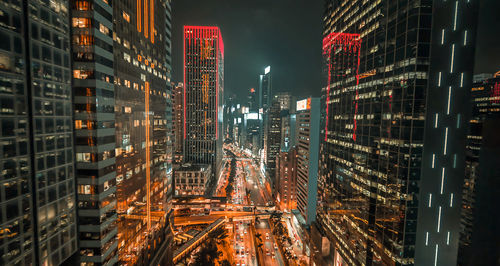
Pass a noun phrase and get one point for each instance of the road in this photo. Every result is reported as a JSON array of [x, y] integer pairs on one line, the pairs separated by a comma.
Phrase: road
[[270, 254]]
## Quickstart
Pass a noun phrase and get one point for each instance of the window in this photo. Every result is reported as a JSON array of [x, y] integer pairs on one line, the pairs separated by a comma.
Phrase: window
[[126, 16], [81, 23], [103, 29]]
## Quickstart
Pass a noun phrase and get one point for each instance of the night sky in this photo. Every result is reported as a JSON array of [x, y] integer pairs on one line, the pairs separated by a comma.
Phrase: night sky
[[286, 34]]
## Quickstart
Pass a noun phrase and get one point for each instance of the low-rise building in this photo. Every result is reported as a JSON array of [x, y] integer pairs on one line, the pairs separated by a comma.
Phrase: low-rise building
[[192, 179]]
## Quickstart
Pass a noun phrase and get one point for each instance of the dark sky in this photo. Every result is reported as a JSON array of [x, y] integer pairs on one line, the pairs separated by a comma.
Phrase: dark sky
[[286, 34]]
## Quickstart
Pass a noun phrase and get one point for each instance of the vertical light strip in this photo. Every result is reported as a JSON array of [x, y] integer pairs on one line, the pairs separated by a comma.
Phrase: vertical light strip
[[439, 220], [433, 159], [139, 18], [152, 23], [426, 238], [148, 159], [439, 79], [461, 79], [465, 38], [445, 149], [146, 18], [455, 160], [452, 57], [442, 36], [449, 101], [436, 255], [455, 19], [442, 181], [430, 200], [448, 238], [458, 121], [451, 200], [436, 120]]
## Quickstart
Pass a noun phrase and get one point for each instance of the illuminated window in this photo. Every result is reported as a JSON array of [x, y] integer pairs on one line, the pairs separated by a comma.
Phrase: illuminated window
[[81, 23], [82, 5], [103, 29], [126, 16], [83, 74]]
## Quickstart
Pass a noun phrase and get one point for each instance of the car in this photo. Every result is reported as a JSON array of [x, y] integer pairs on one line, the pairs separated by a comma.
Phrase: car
[[275, 246], [267, 236], [268, 254]]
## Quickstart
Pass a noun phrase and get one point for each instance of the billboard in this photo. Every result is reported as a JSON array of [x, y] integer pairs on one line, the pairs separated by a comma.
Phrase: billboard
[[252, 116], [304, 104]]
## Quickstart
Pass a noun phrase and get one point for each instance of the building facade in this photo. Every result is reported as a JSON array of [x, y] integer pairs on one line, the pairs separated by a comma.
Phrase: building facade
[[192, 179], [272, 142], [203, 94], [265, 89], [478, 223], [178, 122], [286, 179], [307, 145], [391, 155], [37, 178]]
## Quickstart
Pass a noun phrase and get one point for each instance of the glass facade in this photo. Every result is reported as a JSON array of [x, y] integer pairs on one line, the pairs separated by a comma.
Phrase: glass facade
[[203, 96], [378, 69], [37, 189]]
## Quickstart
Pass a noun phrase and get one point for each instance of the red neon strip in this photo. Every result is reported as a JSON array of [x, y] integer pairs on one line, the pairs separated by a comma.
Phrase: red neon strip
[[152, 23], [184, 64], [347, 42]]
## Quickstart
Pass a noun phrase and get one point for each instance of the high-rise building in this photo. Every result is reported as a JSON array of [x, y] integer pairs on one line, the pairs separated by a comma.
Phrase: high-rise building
[[478, 223], [123, 113], [265, 89], [37, 202], [203, 94], [307, 143], [286, 100], [286, 179], [94, 114], [178, 122], [272, 142], [252, 100], [396, 104], [143, 115]]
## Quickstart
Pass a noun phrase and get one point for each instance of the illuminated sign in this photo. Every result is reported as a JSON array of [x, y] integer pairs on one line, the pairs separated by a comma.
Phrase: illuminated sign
[[238, 106], [252, 116], [267, 70], [239, 120], [245, 110], [304, 104], [252, 90], [261, 110]]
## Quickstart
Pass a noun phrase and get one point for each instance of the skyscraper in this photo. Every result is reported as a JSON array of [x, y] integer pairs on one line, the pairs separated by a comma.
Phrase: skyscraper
[[203, 94], [265, 89], [37, 202], [392, 153], [143, 114], [272, 142], [478, 222], [307, 141], [123, 114], [178, 122]]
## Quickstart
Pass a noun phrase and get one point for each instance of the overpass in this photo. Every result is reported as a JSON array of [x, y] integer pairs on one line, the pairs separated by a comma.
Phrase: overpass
[[193, 243], [206, 219]]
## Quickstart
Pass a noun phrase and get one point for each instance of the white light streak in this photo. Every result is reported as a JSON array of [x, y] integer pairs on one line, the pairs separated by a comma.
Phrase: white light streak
[[426, 238], [452, 57], [430, 200], [442, 36], [445, 141], [442, 181], [433, 159], [449, 101], [436, 121], [439, 79], [465, 38], [436, 255], [451, 200], [439, 220], [462, 80], [458, 121], [455, 19], [448, 238]]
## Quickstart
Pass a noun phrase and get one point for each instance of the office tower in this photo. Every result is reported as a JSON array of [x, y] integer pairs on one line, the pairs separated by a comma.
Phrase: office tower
[[272, 142], [37, 206], [265, 89], [252, 100], [251, 125], [288, 130], [286, 179], [392, 152], [94, 114], [478, 223], [178, 122], [203, 92], [286, 100], [143, 114], [307, 143]]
